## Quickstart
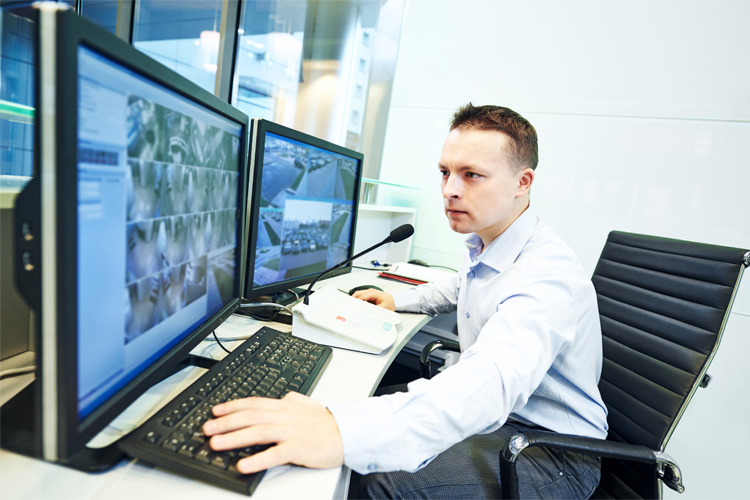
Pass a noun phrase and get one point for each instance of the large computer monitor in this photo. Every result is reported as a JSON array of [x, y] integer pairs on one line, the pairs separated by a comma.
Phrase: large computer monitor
[[130, 235], [303, 214]]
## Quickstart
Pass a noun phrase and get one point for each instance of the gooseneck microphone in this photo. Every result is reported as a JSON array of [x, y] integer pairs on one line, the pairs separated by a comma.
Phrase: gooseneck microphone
[[398, 234]]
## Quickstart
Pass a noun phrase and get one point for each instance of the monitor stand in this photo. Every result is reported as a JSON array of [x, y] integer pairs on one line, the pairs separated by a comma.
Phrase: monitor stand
[[285, 298], [20, 427], [20, 433]]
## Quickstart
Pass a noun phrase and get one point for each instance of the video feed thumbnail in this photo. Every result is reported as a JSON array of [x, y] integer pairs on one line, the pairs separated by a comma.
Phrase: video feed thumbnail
[[221, 279], [294, 169], [284, 169], [294, 242], [341, 227], [153, 299], [346, 179]]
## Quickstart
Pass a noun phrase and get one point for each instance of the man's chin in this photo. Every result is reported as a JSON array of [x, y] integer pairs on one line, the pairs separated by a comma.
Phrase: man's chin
[[459, 228]]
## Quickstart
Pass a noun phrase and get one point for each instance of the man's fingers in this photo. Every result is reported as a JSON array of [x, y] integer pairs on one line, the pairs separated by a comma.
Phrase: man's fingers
[[244, 404], [273, 456], [256, 403], [376, 297], [247, 436], [240, 419], [364, 295]]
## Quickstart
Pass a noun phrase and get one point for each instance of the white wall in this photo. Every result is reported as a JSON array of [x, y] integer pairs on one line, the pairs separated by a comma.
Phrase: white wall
[[643, 114]]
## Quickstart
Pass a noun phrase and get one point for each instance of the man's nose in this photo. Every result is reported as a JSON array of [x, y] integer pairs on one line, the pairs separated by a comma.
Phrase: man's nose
[[452, 187]]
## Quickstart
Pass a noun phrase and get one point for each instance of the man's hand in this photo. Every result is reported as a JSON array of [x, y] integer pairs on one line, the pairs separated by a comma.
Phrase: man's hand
[[304, 431], [377, 297]]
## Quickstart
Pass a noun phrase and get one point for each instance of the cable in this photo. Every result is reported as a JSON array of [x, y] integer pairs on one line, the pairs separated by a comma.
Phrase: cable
[[14, 372], [230, 339], [445, 267], [381, 268], [272, 305], [220, 344]]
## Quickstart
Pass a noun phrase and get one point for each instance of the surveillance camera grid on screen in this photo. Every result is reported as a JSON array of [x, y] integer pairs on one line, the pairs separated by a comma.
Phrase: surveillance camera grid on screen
[[181, 213]]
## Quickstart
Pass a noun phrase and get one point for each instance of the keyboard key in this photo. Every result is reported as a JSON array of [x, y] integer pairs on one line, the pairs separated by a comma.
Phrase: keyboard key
[[204, 454], [220, 462], [189, 449], [152, 437]]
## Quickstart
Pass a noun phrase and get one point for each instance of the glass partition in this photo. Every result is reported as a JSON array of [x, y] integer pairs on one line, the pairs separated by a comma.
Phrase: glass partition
[[184, 36], [322, 67], [102, 12], [16, 100], [388, 194]]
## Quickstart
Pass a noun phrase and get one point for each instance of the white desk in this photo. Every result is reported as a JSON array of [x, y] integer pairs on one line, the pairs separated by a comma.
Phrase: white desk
[[25, 478]]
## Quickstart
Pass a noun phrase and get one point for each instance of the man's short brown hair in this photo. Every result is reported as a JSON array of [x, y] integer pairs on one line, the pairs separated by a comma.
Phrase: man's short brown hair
[[523, 150]]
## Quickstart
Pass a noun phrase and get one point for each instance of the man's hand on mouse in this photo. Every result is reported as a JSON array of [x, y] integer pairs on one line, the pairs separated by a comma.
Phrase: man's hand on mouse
[[377, 297]]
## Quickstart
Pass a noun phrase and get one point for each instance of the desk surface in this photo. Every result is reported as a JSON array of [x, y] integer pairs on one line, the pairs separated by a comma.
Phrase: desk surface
[[23, 477]]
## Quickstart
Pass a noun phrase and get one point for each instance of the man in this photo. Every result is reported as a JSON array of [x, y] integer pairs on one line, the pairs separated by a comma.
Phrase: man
[[531, 350]]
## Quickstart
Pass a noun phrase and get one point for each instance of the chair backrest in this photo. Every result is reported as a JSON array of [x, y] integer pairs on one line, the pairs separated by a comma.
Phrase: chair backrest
[[663, 305]]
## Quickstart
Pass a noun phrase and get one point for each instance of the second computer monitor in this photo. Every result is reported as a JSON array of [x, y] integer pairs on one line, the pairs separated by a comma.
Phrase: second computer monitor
[[303, 208]]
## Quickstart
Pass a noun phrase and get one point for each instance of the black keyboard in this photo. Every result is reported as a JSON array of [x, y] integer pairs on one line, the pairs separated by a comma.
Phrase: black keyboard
[[270, 364]]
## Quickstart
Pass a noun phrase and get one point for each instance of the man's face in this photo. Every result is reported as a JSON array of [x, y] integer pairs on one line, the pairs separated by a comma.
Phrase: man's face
[[482, 193]]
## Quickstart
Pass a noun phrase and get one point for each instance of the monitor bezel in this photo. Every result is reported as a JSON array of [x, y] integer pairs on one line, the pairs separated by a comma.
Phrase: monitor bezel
[[72, 32], [258, 130]]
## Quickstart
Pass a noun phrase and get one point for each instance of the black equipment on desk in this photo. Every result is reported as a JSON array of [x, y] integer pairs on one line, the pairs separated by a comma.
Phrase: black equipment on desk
[[269, 364]]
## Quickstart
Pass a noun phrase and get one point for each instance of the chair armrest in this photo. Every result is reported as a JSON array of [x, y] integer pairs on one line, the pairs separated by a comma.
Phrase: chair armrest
[[577, 444], [668, 470], [424, 357]]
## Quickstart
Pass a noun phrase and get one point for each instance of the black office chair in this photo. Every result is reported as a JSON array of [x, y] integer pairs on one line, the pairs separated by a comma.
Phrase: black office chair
[[663, 305]]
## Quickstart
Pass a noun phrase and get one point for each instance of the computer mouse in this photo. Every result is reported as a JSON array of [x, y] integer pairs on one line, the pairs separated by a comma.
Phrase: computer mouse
[[419, 262], [363, 287]]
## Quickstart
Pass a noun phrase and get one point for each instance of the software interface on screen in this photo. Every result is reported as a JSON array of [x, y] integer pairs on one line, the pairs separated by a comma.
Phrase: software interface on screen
[[158, 181], [305, 210]]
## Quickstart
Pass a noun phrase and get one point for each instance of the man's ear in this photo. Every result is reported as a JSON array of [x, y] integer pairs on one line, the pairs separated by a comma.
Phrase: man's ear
[[525, 180]]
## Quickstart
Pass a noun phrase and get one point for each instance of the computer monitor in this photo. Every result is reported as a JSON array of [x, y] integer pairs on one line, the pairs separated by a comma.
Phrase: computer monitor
[[303, 213], [130, 236]]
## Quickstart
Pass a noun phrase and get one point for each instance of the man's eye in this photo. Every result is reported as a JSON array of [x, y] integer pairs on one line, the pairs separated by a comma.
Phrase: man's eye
[[443, 173], [472, 175]]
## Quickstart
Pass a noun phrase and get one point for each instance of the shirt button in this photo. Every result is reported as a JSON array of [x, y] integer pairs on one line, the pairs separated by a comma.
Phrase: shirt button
[[473, 274], [467, 315], [372, 467]]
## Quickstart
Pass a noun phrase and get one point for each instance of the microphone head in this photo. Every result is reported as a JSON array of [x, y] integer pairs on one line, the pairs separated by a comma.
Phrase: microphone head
[[401, 233]]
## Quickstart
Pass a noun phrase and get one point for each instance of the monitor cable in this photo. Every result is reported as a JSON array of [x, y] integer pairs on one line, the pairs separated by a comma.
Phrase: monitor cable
[[219, 342]]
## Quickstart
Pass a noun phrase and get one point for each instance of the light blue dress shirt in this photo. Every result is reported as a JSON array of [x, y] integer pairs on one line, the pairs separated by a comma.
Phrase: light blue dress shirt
[[531, 351]]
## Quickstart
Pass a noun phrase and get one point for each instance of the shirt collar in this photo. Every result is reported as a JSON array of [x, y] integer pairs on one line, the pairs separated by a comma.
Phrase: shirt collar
[[505, 249]]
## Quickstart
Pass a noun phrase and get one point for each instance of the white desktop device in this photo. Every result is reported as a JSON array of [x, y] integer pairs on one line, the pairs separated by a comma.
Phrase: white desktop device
[[336, 319]]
